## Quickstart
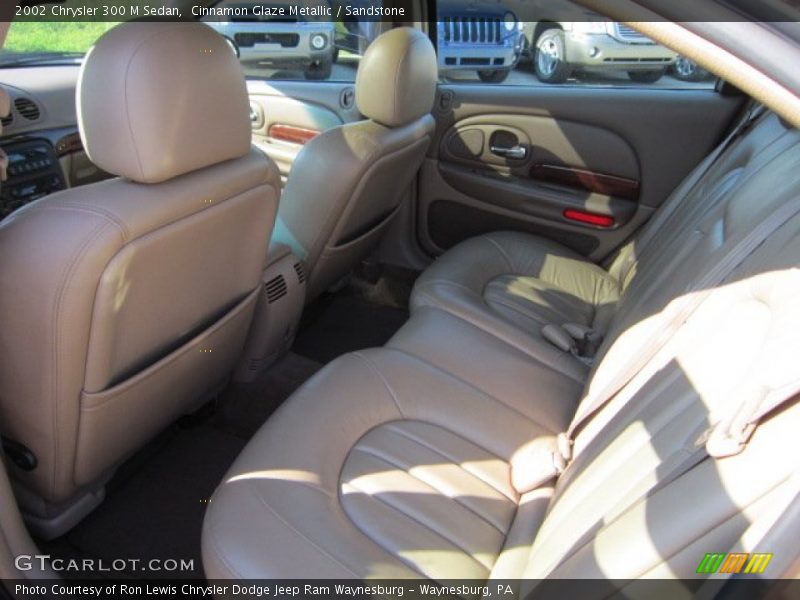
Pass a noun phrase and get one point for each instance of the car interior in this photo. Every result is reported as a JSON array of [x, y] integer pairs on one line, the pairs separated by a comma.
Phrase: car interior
[[403, 327]]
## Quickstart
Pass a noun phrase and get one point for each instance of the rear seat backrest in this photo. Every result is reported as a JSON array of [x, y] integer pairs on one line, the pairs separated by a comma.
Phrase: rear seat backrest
[[699, 242], [742, 340], [695, 196]]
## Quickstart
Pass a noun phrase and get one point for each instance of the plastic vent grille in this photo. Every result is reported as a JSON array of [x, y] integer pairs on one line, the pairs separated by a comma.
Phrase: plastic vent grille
[[630, 34], [27, 108], [6, 121], [301, 272], [276, 289]]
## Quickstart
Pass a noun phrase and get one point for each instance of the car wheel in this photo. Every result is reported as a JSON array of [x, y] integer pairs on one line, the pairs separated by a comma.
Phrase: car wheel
[[548, 57], [646, 76], [688, 70], [320, 70], [498, 76]]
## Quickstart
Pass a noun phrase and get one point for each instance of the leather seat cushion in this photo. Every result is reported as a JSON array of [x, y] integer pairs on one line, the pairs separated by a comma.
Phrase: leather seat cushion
[[495, 366], [515, 283], [412, 478]]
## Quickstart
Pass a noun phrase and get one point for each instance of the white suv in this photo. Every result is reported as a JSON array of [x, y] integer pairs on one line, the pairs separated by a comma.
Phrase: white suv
[[560, 48]]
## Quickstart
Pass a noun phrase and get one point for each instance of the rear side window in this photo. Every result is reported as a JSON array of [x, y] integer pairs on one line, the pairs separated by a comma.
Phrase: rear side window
[[552, 43]]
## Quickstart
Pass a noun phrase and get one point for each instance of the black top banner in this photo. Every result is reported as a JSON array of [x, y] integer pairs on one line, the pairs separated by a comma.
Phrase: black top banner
[[380, 10]]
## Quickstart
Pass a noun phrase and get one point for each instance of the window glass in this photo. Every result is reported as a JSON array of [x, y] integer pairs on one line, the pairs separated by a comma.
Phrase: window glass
[[274, 39], [30, 42], [296, 39], [548, 43]]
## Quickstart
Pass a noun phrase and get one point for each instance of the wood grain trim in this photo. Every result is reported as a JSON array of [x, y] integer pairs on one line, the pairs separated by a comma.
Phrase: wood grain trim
[[69, 144], [590, 181], [290, 133]]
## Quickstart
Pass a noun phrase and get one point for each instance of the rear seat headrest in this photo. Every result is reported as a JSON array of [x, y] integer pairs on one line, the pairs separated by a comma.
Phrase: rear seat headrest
[[396, 80], [157, 100]]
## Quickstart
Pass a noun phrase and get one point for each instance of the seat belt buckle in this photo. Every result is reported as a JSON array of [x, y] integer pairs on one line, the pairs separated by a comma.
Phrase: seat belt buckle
[[543, 466], [721, 442], [568, 341], [587, 339], [564, 446], [560, 338]]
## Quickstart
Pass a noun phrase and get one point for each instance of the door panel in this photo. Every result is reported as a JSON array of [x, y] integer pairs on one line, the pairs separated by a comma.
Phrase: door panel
[[584, 166], [288, 114]]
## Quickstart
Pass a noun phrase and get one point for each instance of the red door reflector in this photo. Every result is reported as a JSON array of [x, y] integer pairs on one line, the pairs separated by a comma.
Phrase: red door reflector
[[589, 218]]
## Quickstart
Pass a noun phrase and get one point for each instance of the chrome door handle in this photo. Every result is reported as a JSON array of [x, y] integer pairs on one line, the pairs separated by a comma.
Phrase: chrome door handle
[[515, 152]]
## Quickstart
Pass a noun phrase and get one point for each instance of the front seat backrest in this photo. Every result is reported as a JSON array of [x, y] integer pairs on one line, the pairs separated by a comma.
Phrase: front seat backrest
[[347, 183], [126, 302]]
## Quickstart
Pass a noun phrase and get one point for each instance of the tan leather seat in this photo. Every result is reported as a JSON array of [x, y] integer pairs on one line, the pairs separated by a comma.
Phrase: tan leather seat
[[416, 460], [346, 184], [513, 284], [127, 302]]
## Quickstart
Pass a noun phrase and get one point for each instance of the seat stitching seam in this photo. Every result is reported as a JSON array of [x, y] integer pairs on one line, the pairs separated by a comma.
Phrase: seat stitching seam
[[521, 311], [57, 334], [316, 488], [408, 472], [476, 323], [86, 208], [501, 251], [468, 318], [447, 539], [446, 282], [297, 531], [388, 387], [222, 554], [409, 437], [479, 391], [401, 559]]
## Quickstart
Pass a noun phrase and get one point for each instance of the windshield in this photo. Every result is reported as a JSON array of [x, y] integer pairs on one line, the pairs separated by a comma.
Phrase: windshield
[[47, 43]]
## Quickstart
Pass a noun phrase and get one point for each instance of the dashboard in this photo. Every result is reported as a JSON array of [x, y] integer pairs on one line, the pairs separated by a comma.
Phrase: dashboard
[[33, 172], [40, 136]]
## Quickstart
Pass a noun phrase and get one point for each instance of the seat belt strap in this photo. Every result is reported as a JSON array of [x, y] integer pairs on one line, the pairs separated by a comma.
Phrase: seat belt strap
[[692, 455], [663, 216], [732, 435], [696, 295]]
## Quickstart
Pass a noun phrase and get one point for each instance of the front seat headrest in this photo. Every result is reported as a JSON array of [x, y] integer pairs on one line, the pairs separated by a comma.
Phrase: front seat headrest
[[5, 104], [157, 100], [396, 80]]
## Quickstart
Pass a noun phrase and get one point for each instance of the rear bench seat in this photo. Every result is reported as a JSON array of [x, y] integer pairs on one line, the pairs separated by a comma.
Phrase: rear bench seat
[[420, 459]]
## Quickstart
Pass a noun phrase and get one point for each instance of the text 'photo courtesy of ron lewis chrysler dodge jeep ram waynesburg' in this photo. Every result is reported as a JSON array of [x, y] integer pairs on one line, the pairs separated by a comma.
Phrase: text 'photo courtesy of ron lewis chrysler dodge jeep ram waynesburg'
[[326, 299]]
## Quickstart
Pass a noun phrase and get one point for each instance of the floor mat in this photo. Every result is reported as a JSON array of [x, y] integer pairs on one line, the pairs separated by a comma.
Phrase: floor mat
[[154, 507], [245, 406], [342, 323]]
